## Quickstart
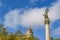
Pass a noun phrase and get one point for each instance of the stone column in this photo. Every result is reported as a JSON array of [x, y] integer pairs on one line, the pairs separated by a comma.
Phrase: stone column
[[47, 29]]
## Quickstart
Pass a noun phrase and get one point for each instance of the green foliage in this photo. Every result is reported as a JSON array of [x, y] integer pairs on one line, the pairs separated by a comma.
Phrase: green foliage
[[18, 33], [4, 35], [3, 31], [54, 38], [58, 39]]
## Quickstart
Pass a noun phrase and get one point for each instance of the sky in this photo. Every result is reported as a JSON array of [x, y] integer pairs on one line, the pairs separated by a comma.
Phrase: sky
[[20, 14]]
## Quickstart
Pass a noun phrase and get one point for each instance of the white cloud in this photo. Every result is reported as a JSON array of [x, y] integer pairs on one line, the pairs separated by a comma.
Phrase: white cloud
[[34, 16], [31, 16], [57, 31], [11, 18], [54, 12]]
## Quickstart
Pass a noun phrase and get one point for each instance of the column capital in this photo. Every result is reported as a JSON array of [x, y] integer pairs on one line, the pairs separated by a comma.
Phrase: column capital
[[47, 20]]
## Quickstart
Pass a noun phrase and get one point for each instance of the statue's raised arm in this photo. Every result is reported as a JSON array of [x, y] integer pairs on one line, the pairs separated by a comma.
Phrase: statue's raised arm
[[46, 13]]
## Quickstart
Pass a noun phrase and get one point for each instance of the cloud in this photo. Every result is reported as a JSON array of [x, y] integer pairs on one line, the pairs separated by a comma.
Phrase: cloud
[[11, 18], [33, 1], [31, 16], [34, 16], [54, 11], [56, 31]]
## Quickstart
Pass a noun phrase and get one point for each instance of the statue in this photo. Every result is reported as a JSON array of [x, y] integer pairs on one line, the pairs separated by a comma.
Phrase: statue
[[46, 13]]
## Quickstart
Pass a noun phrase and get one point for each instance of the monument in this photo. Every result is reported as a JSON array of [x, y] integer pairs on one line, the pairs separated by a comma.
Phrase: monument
[[29, 32], [47, 22]]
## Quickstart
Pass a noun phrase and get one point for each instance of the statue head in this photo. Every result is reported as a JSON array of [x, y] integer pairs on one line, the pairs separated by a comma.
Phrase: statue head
[[47, 10]]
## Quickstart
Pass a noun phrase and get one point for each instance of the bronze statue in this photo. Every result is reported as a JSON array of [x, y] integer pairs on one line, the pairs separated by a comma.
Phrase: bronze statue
[[46, 13]]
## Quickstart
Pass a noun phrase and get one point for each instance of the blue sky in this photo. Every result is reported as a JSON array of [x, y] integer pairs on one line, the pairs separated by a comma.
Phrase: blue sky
[[19, 14]]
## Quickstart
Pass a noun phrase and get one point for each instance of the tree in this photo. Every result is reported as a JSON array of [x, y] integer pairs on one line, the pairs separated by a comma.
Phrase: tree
[[52, 38], [1, 26], [3, 31], [18, 33], [58, 39], [12, 36]]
